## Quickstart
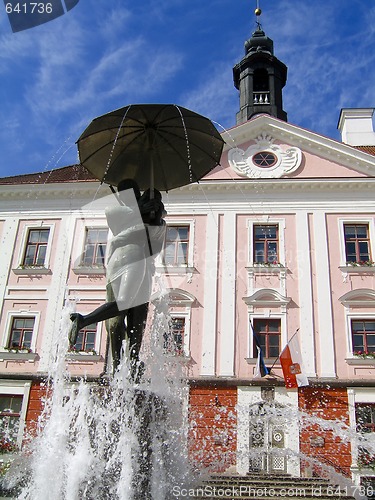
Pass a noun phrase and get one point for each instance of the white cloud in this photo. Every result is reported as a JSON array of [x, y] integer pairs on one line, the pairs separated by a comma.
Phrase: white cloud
[[215, 96]]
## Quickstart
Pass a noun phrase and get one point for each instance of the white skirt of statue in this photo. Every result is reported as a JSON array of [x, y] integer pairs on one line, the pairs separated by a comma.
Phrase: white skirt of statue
[[137, 238]]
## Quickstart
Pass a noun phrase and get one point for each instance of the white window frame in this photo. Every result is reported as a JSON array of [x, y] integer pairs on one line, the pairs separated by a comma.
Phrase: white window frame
[[98, 337], [180, 307], [159, 261], [283, 329], [79, 243], [18, 388], [186, 340], [86, 230], [266, 221], [355, 220], [354, 316], [8, 325], [25, 233], [356, 395]]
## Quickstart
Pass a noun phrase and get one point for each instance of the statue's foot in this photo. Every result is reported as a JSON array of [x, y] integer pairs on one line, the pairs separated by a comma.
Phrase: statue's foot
[[77, 323]]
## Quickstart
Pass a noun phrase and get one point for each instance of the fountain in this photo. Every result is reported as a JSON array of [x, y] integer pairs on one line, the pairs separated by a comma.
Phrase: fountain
[[109, 440]]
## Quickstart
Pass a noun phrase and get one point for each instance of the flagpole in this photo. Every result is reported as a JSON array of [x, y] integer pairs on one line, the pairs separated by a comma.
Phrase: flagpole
[[278, 357]]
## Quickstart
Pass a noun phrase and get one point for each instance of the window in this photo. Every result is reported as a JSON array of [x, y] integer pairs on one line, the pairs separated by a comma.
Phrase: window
[[174, 339], [265, 159], [176, 246], [95, 247], [266, 244], [268, 334], [36, 247], [365, 423], [21, 333], [363, 336], [365, 417], [357, 242], [10, 410], [86, 339]]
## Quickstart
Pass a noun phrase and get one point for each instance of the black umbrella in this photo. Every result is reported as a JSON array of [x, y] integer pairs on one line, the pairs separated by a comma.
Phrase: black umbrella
[[160, 146]]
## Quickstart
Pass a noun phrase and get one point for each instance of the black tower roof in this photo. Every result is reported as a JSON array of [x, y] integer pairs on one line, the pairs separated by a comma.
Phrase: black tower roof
[[260, 78]]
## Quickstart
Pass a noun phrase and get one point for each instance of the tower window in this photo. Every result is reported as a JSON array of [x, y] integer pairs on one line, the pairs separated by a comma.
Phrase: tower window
[[261, 80]]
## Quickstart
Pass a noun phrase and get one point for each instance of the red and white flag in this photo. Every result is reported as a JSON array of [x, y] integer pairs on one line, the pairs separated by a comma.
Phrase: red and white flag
[[291, 363]]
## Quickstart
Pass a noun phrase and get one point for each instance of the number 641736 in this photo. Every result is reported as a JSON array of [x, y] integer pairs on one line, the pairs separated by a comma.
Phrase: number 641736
[[29, 8]]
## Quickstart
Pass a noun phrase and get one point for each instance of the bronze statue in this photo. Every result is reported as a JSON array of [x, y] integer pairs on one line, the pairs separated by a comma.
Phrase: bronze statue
[[138, 233]]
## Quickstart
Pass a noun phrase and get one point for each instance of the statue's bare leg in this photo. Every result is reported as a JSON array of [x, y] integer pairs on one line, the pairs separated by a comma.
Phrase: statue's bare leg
[[136, 323], [116, 331], [102, 313]]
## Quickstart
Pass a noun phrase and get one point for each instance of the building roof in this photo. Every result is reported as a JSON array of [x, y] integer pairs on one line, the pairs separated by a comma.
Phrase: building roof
[[78, 173], [366, 149], [71, 173]]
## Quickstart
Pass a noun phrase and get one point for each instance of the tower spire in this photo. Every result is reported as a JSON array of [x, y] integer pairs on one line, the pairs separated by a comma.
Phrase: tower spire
[[258, 12], [260, 77]]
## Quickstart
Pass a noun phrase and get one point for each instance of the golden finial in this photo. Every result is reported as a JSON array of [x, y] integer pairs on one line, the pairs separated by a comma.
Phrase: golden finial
[[258, 12]]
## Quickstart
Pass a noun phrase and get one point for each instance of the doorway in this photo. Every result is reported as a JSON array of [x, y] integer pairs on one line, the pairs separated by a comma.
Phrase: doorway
[[267, 438]]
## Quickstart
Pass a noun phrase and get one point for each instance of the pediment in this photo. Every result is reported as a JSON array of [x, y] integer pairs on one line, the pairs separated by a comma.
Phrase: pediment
[[267, 297], [175, 296], [298, 153], [362, 297]]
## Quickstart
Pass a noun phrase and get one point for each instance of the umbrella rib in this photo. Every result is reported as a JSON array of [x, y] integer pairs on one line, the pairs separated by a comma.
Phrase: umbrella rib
[[183, 158], [108, 129], [188, 141]]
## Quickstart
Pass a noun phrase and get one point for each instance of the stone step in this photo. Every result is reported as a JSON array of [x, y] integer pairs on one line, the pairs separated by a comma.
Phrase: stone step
[[268, 487], [305, 481], [274, 485]]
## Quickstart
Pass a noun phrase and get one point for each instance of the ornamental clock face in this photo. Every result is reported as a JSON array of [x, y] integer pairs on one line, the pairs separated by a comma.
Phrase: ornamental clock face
[[264, 159]]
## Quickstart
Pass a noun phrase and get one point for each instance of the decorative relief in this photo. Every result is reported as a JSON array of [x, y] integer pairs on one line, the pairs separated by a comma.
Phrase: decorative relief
[[264, 159]]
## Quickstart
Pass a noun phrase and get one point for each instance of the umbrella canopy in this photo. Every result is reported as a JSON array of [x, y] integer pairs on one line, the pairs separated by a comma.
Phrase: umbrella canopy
[[161, 146]]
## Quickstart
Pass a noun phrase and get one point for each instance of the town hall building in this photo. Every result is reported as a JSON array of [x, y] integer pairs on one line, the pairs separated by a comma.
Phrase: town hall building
[[276, 241]]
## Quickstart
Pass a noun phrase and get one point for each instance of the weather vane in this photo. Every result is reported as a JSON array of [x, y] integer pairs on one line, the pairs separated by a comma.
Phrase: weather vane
[[258, 12]]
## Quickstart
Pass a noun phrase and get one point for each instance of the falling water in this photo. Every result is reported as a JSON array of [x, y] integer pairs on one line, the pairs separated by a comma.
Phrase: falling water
[[187, 145], [113, 440]]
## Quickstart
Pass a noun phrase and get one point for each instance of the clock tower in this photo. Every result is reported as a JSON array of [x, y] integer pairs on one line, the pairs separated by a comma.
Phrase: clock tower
[[260, 78]]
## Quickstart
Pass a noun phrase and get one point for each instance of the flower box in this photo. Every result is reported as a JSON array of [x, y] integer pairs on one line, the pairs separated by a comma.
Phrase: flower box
[[364, 355]]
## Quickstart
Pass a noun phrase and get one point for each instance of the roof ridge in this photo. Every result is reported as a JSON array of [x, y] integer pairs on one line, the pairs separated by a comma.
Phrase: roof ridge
[[69, 173]]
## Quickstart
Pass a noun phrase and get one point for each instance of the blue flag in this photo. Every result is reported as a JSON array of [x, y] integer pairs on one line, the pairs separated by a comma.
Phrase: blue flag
[[261, 369]]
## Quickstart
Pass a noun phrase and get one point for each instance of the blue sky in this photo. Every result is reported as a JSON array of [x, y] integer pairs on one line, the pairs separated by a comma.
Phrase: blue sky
[[105, 54]]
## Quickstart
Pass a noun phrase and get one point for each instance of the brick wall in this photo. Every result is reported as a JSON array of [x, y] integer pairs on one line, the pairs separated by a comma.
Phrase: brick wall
[[213, 424], [38, 393], [325, 405]]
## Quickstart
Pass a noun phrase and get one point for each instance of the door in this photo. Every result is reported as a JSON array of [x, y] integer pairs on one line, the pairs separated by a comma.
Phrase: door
[[267, 439]]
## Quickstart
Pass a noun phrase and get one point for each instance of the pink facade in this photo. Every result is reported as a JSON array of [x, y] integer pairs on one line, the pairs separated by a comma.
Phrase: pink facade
[[271, 245]]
